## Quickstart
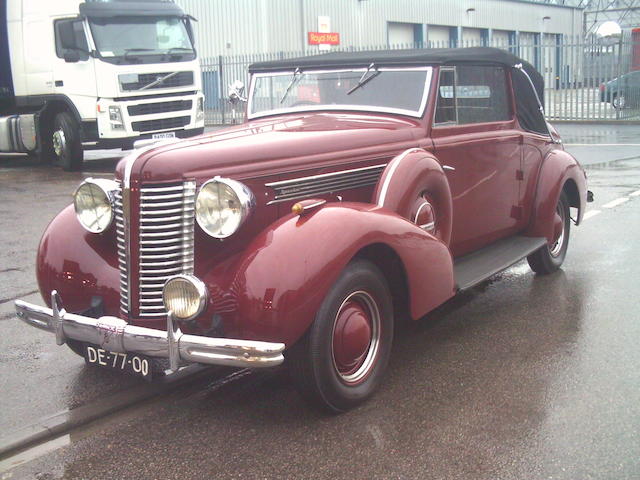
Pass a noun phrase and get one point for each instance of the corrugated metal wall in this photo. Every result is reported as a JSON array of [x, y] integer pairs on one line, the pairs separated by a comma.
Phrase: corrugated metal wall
[[232, 27]]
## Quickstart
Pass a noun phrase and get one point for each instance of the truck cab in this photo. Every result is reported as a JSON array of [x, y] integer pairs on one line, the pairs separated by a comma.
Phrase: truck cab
[[85, 75]]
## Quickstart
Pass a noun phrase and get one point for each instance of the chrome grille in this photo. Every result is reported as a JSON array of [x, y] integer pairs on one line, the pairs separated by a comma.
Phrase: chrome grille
[[167, 216], [122, 252], [305, 187]]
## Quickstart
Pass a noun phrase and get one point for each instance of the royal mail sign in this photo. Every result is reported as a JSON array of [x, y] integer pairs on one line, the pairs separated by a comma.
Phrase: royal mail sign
[[319, 38]]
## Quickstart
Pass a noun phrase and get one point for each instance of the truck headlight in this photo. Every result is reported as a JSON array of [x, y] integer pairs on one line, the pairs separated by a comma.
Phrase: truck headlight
[[115, 115], [93, 202], [200, 109], [222, 206], [185, 296]]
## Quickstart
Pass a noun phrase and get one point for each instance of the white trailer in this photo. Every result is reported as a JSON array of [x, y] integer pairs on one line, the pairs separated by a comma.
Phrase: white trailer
[[97, 74]]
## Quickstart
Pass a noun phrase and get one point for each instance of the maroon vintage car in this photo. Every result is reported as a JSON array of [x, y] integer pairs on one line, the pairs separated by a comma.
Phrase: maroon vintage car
[[362, 187]]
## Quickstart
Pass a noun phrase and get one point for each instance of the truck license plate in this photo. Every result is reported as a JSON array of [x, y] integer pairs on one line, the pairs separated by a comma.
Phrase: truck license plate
[[127, 362], [160, 136]]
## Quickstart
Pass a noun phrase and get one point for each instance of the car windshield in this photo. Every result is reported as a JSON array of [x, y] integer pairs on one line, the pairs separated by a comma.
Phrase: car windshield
[[402, 91], [142, 39]]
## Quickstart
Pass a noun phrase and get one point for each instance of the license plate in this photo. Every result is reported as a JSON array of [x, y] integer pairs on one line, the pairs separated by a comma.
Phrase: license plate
[[126, 362], [159, 136]]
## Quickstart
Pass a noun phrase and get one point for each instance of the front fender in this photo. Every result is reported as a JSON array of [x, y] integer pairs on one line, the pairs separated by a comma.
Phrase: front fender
[[285, 273], [78, 264], [559, 171]]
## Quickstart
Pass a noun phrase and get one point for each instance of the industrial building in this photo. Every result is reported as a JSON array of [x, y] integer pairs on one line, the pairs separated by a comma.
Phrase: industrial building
[[242, 27]]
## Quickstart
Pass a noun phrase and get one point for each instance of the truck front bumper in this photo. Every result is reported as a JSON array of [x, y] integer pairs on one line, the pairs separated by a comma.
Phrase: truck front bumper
[[116, 335]]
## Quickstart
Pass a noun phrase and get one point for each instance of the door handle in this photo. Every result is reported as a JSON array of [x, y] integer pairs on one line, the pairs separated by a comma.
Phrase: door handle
[[448, 167]]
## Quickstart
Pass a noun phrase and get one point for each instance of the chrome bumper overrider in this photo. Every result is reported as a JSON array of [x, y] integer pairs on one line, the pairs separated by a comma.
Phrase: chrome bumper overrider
[[116, 335]]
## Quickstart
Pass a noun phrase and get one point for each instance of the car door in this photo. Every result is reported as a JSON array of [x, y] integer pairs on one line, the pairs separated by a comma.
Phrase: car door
[[476, 141]]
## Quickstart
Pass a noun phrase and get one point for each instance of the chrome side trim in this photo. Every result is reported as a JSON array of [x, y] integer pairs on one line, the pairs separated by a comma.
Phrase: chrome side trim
[[305, 187], [392, 169], [115, 335]]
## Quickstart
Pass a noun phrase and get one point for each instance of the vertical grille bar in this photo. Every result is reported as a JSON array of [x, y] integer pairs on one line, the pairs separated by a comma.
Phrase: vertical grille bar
[[122, 252]]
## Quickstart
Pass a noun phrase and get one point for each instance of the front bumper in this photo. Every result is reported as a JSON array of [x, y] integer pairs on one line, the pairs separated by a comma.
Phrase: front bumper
[[116, 335]]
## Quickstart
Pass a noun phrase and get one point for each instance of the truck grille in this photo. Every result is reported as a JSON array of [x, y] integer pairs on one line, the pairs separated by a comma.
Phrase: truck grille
[[151, 81], [166, 236], [159, 107], [122, 253], [160, 124]]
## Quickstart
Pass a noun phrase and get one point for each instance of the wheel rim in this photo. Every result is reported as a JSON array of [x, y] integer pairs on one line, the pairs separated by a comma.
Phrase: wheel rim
[[59, 142], [556, 248], [356, 337]]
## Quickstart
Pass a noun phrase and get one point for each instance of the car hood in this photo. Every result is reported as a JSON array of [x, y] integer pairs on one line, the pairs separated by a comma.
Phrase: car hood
[[271, 146]]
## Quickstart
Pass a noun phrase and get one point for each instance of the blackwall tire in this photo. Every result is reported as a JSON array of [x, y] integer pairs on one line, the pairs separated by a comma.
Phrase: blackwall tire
[[342, 358], [66, 141], [549, 258]]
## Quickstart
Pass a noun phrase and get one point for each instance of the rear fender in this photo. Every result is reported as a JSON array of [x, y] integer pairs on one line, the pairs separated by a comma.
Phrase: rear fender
[[415, 187], [286, 272], [560, 171]]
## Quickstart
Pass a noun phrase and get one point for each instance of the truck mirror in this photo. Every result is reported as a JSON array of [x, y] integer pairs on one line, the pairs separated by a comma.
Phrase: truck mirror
[[71, 56], [67, 37]]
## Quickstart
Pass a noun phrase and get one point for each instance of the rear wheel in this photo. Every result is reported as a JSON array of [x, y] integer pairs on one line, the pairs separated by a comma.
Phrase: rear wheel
[[341, 360], [549, 258], [66, 142]]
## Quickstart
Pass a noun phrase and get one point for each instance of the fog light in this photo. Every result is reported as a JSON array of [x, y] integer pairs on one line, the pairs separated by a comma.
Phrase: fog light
[[185, 296]]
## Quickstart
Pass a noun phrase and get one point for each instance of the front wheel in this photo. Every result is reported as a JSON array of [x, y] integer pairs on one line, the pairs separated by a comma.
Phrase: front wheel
[[66, 141], [341, 360], [549, 258], [619, 102]]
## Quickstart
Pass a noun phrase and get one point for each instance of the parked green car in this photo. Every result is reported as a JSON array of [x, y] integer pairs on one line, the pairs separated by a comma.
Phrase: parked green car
[[622, 92]]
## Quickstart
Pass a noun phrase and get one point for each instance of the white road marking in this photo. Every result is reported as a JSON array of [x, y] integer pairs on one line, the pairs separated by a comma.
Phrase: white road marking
[[590, 213], [616, 202], [602, 144], [635, 194]]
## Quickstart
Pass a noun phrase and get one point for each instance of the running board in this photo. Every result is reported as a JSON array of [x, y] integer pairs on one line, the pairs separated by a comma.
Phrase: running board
[[481, 264]]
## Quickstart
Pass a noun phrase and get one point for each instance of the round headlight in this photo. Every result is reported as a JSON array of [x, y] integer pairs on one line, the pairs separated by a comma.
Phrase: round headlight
[[222, 206], [93, 202], [185, 296]]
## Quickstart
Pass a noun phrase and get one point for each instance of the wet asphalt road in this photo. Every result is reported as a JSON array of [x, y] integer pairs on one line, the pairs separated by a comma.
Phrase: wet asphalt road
[[522, 377]]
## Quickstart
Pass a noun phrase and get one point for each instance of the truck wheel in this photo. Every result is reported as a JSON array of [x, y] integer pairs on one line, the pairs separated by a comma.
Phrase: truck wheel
[[549, 258], [66, 141], [342, 358]]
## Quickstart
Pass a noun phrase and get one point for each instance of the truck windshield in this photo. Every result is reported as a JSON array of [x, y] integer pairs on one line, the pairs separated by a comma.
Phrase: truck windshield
[[395, 90], [129, 40]]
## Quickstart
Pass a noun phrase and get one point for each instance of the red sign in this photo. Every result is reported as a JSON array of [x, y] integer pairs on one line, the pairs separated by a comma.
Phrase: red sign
[[318, 38]]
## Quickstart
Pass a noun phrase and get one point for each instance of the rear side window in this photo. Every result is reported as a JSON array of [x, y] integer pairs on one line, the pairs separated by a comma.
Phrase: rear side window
[[472, 94]]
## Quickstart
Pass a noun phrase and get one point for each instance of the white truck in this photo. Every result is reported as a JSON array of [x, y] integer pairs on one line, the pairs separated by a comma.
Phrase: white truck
[[96, 74]]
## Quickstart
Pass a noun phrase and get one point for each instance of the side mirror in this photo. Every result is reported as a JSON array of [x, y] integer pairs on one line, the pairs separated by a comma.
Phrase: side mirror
[[236, 92], [71, 56], [67, 37]]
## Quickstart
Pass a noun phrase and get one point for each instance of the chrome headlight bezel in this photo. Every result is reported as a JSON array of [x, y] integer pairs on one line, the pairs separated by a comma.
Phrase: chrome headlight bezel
[[199, 290], [246, 201], [108, 189]]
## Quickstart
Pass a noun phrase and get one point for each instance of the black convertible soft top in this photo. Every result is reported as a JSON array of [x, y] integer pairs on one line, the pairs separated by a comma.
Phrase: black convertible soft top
[[526, 103]]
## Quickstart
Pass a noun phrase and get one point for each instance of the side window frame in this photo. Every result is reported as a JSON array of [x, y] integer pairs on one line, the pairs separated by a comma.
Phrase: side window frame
[[442, 70], [508, 100]]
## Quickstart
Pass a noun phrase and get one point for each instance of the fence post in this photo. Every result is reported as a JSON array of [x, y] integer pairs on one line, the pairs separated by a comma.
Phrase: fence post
[[222, 89]]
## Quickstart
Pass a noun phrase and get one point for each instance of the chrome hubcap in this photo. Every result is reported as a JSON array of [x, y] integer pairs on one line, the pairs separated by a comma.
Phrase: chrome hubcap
[[59, 142], [356, 337], [556, 248]]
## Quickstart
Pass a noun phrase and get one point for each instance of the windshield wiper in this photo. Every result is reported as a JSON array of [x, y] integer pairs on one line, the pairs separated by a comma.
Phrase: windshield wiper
[[127, 51], [297, 74], [364, 79], [178, 51]]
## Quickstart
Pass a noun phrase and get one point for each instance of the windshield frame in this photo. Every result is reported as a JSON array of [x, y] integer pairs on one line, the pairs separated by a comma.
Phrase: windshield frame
[[142, 57], [349, 108]]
